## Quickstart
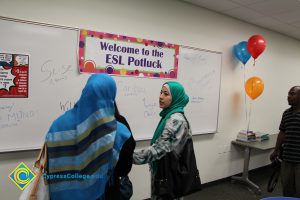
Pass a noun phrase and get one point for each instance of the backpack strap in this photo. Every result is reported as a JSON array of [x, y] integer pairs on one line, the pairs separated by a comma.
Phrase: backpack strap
[[186, 120]]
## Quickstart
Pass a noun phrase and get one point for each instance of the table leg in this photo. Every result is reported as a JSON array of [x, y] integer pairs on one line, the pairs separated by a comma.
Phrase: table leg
[[244, 178]]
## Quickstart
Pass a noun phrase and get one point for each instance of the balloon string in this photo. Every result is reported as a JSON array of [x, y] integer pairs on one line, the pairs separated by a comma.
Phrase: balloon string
[[245, 96], [254, 63], [249, 116]]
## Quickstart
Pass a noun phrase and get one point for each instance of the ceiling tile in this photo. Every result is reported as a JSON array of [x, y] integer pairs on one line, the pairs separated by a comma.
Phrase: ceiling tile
[[243, 13], [246, 2], [295, 35], [282, 16], [215, 5], [289, 16], [267, 22], [285, 28], [296, 24], [272, 7]]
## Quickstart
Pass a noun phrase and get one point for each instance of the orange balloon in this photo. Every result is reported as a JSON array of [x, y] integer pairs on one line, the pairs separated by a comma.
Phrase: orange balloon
[[254, 87]]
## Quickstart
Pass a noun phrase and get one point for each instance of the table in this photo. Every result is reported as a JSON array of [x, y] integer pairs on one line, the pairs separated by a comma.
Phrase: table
[[260, 145]]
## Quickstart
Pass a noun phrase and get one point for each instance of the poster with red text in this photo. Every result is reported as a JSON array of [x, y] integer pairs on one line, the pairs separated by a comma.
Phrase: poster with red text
[[14, 69], [121, 55]]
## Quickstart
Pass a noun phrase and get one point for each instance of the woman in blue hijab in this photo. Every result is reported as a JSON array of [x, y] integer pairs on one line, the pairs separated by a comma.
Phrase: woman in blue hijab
[[84, 143]]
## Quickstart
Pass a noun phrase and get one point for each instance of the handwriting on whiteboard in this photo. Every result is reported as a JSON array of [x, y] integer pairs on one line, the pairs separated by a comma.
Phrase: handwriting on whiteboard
[[149, 108], [130, 90], [7, 107], [52, 73], [66, 105], [196, 99], [206, 80], [11, 116], [194, 57]]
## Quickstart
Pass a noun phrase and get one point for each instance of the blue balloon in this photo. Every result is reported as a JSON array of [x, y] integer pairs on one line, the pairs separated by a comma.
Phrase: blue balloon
[[241, 52]]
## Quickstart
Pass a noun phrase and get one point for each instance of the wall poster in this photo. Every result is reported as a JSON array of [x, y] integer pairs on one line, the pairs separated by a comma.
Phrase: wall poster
[[14, 69]]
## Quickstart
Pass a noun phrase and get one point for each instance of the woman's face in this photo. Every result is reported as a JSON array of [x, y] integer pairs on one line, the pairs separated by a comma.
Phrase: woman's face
[[165, 98]]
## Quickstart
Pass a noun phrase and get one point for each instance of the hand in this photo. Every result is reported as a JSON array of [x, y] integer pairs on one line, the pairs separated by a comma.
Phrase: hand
[[274, 155]]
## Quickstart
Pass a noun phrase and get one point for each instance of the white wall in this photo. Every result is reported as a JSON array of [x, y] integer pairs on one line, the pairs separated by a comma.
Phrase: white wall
[[180, 23]]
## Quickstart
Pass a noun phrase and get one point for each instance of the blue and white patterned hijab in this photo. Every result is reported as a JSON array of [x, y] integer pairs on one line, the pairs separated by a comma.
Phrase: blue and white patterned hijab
[[82, 143]]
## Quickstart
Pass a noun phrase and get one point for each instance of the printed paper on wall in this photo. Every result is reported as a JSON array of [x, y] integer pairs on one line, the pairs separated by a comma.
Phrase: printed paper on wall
[[14, 69]]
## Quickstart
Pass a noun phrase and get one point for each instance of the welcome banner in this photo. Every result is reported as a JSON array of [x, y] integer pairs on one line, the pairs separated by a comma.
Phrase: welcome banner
[[126, 56]]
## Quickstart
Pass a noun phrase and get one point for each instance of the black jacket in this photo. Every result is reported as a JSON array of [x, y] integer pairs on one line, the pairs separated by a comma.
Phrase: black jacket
[[124, 164]]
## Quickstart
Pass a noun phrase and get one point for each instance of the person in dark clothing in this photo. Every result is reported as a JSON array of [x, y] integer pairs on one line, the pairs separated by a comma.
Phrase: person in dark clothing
[[289, 139], [124, 163]]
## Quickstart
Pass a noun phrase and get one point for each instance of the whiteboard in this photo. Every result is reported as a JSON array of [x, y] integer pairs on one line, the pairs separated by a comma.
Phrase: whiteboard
[[55, 85]]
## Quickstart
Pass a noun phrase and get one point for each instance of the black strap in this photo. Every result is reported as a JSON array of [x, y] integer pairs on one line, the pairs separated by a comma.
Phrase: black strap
[[273, 180], [186, 121]]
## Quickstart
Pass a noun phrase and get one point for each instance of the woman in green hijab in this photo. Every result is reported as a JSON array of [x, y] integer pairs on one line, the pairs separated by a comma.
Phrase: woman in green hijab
[[171, 132]]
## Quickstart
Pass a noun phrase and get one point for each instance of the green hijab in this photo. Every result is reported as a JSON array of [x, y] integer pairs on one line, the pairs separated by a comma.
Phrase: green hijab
[[179, 100]]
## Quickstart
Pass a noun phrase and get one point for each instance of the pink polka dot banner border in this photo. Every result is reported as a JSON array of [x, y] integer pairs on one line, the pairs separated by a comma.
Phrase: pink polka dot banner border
[[114, 54]]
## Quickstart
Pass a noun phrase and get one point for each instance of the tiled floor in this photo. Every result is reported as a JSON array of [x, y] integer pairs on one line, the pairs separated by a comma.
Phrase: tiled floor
[[226, 190]]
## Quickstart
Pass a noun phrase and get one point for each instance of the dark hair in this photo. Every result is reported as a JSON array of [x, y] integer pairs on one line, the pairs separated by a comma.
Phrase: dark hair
[[117, 113], [121, 118]]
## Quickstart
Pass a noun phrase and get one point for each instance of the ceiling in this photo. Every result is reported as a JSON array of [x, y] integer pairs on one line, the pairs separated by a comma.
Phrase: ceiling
[[282, 16]]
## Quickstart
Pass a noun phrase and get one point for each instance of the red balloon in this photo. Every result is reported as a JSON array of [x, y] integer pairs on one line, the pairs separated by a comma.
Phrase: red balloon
[[256, 45]]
